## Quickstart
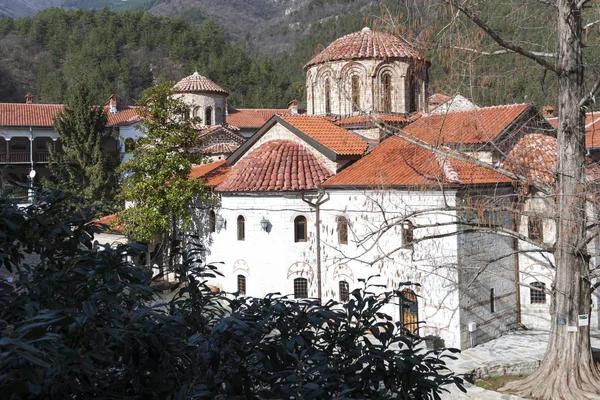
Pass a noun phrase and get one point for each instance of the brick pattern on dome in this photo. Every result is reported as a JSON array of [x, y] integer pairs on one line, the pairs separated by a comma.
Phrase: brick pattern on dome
[[534, 156], [398, 163], [20, 114], [198, 83], [212, 174], [477, 126], [335, 138], [365, 44], [277, 165]]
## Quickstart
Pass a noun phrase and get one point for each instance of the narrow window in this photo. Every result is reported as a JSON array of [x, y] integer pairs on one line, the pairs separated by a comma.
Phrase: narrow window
[[492, 301], [355, 93], [196, 113], [300, 288], [537, 293], [300, 229], [219, 115], [211, 221], [241, 285], [327, 96], [414, 94], [409, 311], [344, 291], [241, 228], [386, 85], [342, 228], [535, 228], [408, 235], [208, 116]]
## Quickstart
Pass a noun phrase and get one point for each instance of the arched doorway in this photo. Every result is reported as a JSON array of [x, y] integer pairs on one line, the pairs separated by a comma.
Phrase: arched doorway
[[409, 311]]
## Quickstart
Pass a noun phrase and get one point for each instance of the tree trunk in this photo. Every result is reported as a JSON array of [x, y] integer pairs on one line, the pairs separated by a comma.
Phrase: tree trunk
[[568, 370]]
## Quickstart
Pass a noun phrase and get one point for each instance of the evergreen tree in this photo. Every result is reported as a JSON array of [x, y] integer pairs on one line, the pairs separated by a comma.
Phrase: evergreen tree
[[81, 167], [158, 184]]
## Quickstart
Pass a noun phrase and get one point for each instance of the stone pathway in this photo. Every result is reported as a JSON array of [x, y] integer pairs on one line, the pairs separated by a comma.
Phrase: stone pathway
[[516, 353]]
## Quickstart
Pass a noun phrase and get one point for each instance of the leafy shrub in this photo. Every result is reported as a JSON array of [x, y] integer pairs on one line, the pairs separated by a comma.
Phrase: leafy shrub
[[81, 323]]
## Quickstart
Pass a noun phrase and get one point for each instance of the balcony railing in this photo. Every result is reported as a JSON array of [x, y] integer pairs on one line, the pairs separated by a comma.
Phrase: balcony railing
[[43, 157], [18, 158]]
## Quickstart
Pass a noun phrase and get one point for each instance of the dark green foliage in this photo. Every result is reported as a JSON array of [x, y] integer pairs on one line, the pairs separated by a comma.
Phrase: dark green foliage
[[83, 167], [79, 323]]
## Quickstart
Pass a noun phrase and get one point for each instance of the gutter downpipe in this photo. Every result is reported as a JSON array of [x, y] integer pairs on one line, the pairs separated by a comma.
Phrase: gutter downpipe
[[317, 206]]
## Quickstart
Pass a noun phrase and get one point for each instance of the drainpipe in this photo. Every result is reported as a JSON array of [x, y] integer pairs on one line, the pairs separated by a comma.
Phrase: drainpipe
[[515, 226], [317, 206], [31, 149]]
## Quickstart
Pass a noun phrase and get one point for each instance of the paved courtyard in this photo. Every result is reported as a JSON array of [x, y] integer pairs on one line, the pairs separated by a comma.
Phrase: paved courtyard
[[516, 353]]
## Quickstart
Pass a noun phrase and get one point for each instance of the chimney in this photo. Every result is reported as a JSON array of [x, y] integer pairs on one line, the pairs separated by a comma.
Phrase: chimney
[[112, 104], [29, 98], [548, 112], [293, 107]]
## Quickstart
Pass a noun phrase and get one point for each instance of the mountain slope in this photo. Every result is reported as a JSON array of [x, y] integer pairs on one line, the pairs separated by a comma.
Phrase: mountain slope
[[21, 8]]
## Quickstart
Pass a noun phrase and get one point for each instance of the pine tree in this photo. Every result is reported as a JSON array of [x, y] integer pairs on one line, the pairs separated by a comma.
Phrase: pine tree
[[81, 168]]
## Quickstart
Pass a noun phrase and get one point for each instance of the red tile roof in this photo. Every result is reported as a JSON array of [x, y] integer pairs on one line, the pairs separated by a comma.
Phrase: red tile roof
[[220, 148], [438, 98], [395, 162], [212, 174], [366, 44], [535, 157], [369, 120], [198, 83], [277, 165], [111, 222], [477, 126], [20, 114], [592, 130], [328, 134], [253, 117]]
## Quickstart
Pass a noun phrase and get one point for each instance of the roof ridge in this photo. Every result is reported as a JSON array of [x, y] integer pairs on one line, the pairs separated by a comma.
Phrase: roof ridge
[[484, 108]]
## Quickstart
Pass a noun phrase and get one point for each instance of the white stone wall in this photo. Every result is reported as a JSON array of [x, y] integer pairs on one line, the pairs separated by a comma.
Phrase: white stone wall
[[199, 102], [370, 72]]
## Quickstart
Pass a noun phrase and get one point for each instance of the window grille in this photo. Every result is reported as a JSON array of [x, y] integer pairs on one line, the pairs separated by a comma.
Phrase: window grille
[[344, 291], [535, 228], [300, 288], [537, 293], [241, 228], [300, 234], [342, 228], [241, 285]]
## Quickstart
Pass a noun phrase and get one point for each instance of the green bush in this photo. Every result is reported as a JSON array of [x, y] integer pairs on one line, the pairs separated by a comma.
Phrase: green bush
[[80, 322]]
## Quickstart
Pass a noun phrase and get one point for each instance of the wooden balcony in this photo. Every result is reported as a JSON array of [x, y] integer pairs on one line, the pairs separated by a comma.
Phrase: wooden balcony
[[43, 157]]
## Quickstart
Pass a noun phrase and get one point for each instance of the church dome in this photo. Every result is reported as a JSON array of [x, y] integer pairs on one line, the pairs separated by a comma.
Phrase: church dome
[[198, 83], [365, 44]]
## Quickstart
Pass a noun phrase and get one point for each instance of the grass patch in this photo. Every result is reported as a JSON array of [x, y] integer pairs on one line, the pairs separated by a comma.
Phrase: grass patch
[[496, 382]]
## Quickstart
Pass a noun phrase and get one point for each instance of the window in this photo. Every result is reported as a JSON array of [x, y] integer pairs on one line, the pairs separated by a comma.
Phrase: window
[[535, 228], [409, 311], [327, 96], [300, 229], [344, 291], [241, 228], [212, 221], [408, 235], [355, 93], [208, 116], [241, 285], [537, 293], [300, 288], [386, 87], [196, 113], [219, 114], [342, 229], [492, 301], [415, 95], [129, 145]]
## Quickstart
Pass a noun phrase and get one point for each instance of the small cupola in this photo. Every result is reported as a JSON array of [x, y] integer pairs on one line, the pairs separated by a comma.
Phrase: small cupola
[[112, 104], [29, 98]]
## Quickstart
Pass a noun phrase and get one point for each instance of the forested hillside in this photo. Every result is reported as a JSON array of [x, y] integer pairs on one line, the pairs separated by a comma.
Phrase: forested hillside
[[123, 53]]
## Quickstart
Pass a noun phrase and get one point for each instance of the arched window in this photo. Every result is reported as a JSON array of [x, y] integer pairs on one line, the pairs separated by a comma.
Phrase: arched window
[[409, 311], [212, 221], [415, 95], [219, 118], [300, 288], [344, 291], [129, 145], [537, 293], [408, 235], [241, 228], [535, 228], [241, 285], [386, 88], [342, 229], [327, 96], [355, 93], [196, 113], [300, 229], [208, 116]]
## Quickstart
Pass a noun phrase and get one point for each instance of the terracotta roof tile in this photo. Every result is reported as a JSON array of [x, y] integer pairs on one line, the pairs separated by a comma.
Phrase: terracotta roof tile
[[365, 44], [398, 163], [328, 134], [477, 126], [20, 114], [212, 174], [277, 165], [438, 98], [220, 148], [592, 130], [111, 222], [198, 83], [253, 117], [534, 156]]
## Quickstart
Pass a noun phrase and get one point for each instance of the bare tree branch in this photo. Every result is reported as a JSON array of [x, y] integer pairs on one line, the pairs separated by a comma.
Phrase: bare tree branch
[[500, 52]]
